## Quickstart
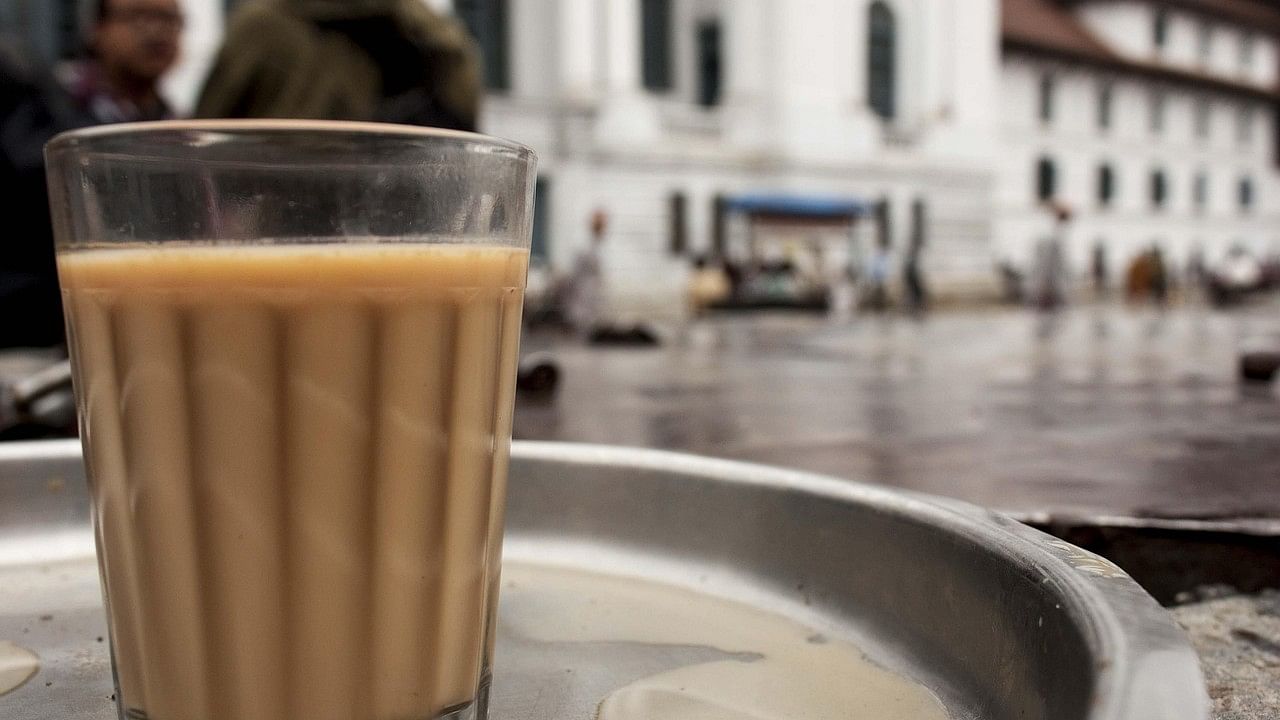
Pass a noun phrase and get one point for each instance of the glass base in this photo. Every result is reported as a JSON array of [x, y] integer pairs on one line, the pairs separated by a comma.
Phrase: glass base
[[470, 711], [475, 710]]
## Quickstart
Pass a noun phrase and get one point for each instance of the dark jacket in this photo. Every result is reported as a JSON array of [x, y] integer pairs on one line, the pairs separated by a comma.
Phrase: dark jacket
[[33, 108], [386, 60]]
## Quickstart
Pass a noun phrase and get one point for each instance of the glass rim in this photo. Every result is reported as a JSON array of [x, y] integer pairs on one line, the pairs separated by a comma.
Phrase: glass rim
[[78, 138]]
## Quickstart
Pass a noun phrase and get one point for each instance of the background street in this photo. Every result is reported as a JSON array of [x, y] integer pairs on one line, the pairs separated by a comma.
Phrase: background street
[[1095, 410]]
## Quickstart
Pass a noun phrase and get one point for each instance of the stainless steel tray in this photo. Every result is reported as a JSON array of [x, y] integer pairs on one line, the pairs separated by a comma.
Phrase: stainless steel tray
[[999, 620]]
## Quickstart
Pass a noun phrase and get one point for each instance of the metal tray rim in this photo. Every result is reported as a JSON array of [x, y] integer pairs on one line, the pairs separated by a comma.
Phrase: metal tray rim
[[1144, 667], [1144, 664]]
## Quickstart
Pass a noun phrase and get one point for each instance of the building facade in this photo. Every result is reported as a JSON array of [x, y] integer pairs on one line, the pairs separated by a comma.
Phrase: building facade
[[655, 112], [1153, 121]]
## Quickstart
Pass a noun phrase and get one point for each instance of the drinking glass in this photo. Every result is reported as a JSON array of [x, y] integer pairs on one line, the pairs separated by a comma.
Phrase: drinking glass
[[294, 348]]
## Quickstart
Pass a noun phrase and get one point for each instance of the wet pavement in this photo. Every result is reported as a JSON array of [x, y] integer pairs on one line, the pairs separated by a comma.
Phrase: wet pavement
[[1100, 410]]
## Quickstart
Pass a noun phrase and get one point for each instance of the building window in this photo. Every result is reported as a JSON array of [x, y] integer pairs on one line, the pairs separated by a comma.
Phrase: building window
[[882, 60], [655, 35], [1104, 106], [1046, 179], [1206, 42], [1246, 194], [1106, 185], [1244, 125], [1160, 29], [1203, 114], [1200, 191], [487, 22], [1157, 111], [710, 66], [540, 247], [1046, 97], [1246, 52], [678, 232], [1159, 189]]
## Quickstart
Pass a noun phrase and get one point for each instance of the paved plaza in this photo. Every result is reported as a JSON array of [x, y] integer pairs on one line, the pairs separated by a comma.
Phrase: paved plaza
[[1094, 410]]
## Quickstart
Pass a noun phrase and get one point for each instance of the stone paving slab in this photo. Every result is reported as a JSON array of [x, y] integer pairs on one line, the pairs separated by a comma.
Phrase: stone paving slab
[[1238, 638]]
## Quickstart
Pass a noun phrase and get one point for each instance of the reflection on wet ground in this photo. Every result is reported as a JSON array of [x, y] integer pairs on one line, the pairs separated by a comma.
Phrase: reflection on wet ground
[[1093, 410]]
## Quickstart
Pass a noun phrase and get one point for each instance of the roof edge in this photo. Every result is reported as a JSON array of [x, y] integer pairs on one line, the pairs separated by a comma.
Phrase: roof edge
[[1119, 64]]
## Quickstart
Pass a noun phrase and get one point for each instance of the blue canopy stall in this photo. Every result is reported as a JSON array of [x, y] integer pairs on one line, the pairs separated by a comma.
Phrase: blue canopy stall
[[788, 248]]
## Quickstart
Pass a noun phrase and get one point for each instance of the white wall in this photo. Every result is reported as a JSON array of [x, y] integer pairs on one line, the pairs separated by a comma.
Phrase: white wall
[[1124, 26], [819, 95], [1265, 70], [1078, 147], [201, 38], [534, 53], [967, 66]]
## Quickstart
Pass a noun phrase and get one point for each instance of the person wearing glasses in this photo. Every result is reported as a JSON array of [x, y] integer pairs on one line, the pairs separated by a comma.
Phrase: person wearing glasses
[[132, 44]]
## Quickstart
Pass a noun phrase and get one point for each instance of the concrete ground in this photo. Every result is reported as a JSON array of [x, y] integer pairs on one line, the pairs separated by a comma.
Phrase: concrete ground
[[1097, 410], [1238, 638]]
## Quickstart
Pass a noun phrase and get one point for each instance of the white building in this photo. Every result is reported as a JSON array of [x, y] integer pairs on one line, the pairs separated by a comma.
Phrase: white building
[[963, 116], [1154, 121], [651, 110]]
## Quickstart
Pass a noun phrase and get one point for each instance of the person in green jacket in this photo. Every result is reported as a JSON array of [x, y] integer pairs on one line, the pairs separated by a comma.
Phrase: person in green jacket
[[383, 60]]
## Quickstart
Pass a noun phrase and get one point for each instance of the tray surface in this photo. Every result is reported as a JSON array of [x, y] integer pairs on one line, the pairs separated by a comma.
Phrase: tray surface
[[749, 576]]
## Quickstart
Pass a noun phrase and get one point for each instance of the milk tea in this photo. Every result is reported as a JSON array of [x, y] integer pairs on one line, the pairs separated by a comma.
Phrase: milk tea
[[298, 457]]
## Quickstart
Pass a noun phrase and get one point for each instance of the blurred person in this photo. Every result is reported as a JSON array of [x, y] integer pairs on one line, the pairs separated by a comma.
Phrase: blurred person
[[1098, 270], [1234, 276], [1048, 273], [842, 293], [1011, 281], [1138, 279], [132, 44], [1196, 271], [916, 295], [878, 279], [385, 60], [585, 285], [708, 285], [33, 108], [736, 275], [1159, 277], [1050, 267]]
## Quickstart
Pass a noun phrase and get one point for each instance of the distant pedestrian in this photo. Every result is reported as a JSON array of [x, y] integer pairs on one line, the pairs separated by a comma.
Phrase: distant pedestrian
[[1048, 274], [843, 293], [708, 286], [878, 279], [1098, 269], [916, 296], [1159, 277], [585, 291], [1197, 273], [1050, 265]]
